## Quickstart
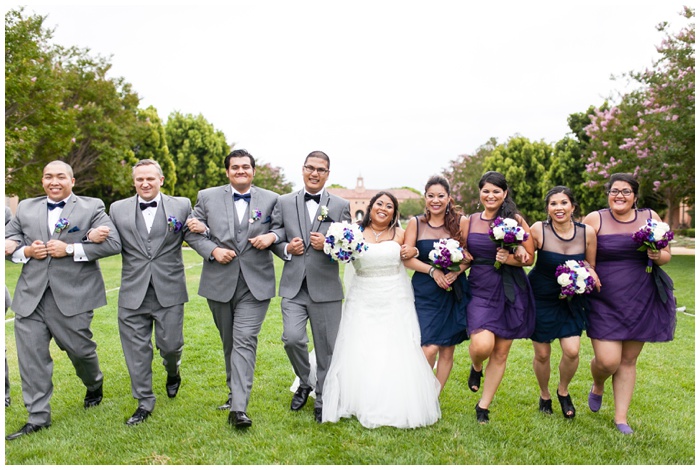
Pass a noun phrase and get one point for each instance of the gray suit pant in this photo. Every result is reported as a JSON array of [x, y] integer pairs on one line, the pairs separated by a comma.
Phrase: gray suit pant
[[239, 322], [136, 329], [8, 301], [33, 335], [325, 321]]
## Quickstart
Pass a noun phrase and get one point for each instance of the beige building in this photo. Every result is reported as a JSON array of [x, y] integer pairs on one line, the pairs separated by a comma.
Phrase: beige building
[[360, 196]]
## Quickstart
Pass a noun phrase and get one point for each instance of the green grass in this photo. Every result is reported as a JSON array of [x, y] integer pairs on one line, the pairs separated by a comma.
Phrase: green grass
[[189, 429]]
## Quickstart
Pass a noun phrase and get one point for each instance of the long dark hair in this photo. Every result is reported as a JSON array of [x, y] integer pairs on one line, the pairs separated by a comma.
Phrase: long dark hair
[[452, 213], [508, 207], [394, 220], [568, 193]]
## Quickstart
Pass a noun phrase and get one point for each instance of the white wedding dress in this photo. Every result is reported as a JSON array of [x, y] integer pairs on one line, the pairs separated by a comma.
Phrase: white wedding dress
[[379, 373]]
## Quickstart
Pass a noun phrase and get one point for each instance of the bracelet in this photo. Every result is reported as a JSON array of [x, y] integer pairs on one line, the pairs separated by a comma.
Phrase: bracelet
[[417, 252], [432, 270]]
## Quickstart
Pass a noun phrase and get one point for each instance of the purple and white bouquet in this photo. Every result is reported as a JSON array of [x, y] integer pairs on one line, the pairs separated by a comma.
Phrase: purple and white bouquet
[[344, 242], [654, 235], [507, 233], [446, 254], [574, 278]]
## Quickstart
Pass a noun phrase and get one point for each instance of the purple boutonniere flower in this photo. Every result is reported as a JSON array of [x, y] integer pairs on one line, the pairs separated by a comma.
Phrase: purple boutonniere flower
[[174, 225], [61, 225]]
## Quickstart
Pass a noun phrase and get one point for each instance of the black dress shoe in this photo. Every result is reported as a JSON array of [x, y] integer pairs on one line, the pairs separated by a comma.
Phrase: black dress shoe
[[139, 416], [239, 419], [93, 398], [172, 385], [300, 397], [318, 414], [26, 429], [7, 401], [225, 406]]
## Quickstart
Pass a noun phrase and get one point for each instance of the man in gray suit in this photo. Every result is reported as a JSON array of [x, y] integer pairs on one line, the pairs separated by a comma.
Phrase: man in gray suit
[[310, 286], [238, 276], [58, 289], [152, 226], [8, 303]]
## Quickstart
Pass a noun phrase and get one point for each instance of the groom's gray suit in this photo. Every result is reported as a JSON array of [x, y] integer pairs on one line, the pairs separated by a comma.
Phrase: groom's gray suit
[[239, 292], [153, 289], [310, 286], [55, 298]]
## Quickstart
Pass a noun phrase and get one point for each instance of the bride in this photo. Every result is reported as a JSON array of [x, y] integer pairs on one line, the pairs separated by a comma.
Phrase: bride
[[379, 372]]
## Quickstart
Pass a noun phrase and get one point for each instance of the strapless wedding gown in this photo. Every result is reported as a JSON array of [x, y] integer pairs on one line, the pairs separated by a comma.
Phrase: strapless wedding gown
[[379, 372]]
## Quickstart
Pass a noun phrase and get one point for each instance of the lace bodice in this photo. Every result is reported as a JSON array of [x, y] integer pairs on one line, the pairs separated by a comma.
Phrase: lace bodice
[[380, 259]]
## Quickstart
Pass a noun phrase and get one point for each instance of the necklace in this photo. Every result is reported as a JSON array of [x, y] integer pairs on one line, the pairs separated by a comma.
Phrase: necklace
[[564, 232], [377, 235]]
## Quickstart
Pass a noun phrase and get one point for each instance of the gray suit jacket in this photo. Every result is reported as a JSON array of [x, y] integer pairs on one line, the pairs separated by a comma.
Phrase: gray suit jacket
[[290, 220], [76, 286], [164, 267], [215, 208]]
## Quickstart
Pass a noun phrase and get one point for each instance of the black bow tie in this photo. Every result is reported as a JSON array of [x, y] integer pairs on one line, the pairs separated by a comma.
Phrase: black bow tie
[[245, 197], [315, 197], [52, 206], [146, 205]]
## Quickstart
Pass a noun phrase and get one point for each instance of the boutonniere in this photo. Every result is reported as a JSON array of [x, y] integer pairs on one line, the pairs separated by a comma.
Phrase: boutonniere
[[254, 215], [174, 224], [324, 213], [61, 225]]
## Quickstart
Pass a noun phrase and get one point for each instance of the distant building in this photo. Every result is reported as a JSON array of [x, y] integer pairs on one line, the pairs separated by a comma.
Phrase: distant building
[[360, 196]]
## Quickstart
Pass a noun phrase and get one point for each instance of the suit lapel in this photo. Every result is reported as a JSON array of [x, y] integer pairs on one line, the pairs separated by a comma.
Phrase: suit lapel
[[230, 213], [133, 212], [325, 198], [164, 215], [65, 214], [303, 216], [44, 220]]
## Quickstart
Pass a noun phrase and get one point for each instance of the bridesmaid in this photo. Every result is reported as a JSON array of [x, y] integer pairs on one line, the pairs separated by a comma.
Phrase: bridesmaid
[[633, 307], [441, 312], [502, 307], [558, 240]]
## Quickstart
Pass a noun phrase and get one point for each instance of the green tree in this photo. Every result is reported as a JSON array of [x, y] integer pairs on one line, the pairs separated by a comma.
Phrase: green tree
[[198, 150], [411, 207], [464, 174], [152, 143], [272, 178], [524, 164]]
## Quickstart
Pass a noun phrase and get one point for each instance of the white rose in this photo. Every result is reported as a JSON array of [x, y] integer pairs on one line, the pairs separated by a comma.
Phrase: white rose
[[498, 233], [564, 279], [659, 232], [508, 222], [580, 285], [519, 234]]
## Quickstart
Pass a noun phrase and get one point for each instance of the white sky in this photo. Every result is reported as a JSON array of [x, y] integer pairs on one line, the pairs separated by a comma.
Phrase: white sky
[[389, 90]]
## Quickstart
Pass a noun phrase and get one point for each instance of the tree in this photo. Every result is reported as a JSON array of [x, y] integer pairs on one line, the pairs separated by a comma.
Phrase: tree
[[152, 143], [272, 178], [652, 132], [464, 174], [524, 164], [411, 207], [198, 151]]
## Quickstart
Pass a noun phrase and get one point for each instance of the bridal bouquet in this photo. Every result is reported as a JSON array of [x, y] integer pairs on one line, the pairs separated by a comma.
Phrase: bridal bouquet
[[574, 278], [446, 254], [344, 242], [507, 233], [653, 235]]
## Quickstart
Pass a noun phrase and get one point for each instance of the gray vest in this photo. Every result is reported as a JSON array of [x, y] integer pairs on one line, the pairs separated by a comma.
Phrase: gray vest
[[152, 240], [241, 228]]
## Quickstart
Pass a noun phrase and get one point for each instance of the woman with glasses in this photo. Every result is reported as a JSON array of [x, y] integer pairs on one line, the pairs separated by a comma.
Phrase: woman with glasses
[[441, 295], [633, 306], [557, 240]]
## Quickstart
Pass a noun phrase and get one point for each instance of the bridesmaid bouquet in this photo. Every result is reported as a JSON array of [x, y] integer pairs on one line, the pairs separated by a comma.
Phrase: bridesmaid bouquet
[[344, 242], [654, 235], [574, 278], [446, 254], [507, 233]]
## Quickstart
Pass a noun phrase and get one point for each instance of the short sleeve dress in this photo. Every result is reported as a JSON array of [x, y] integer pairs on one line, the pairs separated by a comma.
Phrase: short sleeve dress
[[557, 318], [632, 305], [502, 300], [442, 314]]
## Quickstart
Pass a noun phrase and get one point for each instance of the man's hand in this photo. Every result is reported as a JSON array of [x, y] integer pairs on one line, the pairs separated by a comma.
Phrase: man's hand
[[57, 248], [262, 241], [196, 226], [296, 247], [317, 240], [10, 247], [99, 234], [223, 255], [36, 250]]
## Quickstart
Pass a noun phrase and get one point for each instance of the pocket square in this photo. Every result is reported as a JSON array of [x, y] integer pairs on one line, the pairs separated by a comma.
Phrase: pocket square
[[267, 220], [74, 229]]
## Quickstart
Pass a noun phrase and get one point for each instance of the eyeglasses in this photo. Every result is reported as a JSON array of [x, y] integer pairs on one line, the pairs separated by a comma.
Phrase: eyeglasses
[[625, 192], [310, 169]]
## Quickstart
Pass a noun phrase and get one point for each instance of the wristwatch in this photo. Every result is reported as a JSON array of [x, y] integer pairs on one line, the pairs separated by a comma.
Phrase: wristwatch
[[69, 249]]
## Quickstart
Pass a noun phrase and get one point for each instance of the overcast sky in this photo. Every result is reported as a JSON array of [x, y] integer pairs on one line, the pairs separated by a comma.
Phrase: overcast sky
[[391, 90]]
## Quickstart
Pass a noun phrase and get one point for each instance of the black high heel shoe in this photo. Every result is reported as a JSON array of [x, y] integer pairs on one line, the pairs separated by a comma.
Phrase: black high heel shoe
[[546, 406], [566, 406], [474, 381], [482, 415]]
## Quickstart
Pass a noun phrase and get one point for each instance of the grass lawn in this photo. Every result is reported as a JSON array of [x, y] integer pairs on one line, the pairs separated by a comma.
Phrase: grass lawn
[[190, 430]]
